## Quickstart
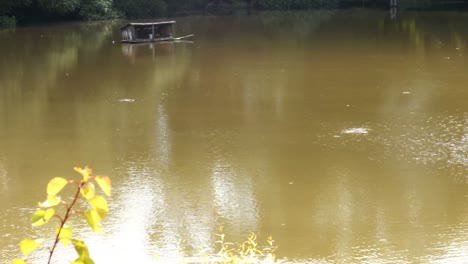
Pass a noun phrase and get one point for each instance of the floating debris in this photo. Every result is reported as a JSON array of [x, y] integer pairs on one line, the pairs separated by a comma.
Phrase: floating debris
[[406, 92], [355, 130], [126, 100]]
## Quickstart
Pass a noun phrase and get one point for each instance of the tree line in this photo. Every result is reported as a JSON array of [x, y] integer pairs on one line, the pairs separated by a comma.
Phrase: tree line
[[29, 11]]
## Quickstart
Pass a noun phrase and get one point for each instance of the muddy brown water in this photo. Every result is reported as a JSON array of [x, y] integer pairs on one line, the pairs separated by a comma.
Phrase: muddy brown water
[[343, 134]]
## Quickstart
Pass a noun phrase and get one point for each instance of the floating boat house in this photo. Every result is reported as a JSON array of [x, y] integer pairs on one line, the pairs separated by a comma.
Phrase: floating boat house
[[147, 32]]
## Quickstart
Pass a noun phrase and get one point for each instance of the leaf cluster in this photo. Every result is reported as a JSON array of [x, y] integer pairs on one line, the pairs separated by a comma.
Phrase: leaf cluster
[[94, 213], [106, 9], [58, 9], [7, 21], [247, 252]]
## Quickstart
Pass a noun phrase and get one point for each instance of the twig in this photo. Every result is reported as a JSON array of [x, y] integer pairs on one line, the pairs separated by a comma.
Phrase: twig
[[67, 215]]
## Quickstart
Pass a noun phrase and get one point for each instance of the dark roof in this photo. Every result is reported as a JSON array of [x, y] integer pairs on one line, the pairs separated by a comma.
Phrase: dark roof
[[149, 24]]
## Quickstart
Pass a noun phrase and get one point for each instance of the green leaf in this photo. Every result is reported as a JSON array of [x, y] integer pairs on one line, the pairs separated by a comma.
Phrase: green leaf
[[37, 218], [88, 191], [104, 183], [80, 248], [100, 204], [29, 245], [18, 261], [56, 185], [52, 200], [83, 253], [93, 219]]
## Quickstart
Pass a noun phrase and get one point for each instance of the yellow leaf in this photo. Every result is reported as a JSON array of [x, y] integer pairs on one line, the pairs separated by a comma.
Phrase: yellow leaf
[[39, 222], [49, 213], [51, 201], [41, 217], [93, 219], [100, 204], [18, 261], [29, 245], [65, 234], [82, 251], [88, 191], [56, 185], [104, 183], [37, 218], [85, 172], [78, 261]]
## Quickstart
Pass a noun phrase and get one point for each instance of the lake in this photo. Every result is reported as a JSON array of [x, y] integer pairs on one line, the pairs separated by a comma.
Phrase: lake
[[341, 133]]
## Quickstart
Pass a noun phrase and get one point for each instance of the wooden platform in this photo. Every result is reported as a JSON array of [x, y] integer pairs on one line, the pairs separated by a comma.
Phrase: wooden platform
[[134, 33]]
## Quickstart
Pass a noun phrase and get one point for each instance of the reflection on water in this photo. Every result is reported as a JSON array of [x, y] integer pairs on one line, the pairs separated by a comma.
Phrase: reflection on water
[[343, 134], [148, 50], [437, 141], [3, 175], [226, 187]]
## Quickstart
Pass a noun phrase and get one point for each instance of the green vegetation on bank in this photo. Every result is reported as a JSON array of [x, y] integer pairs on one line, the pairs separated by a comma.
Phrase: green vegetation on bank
[[30, 11], [7, 21], [295, 4], [21, 11]]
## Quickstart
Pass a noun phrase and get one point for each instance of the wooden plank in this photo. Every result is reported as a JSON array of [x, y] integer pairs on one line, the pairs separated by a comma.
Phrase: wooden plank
[[147, 40], [184, 37], [148, 24]]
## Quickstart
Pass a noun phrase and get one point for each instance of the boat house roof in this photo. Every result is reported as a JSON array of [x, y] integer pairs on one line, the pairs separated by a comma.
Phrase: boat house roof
[[148, 24]]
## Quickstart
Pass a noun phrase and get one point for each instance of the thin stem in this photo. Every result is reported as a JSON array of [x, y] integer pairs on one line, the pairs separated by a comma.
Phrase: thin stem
[[76, 212], [67, 215], [78, 184], [64, 204], [59, 218]]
